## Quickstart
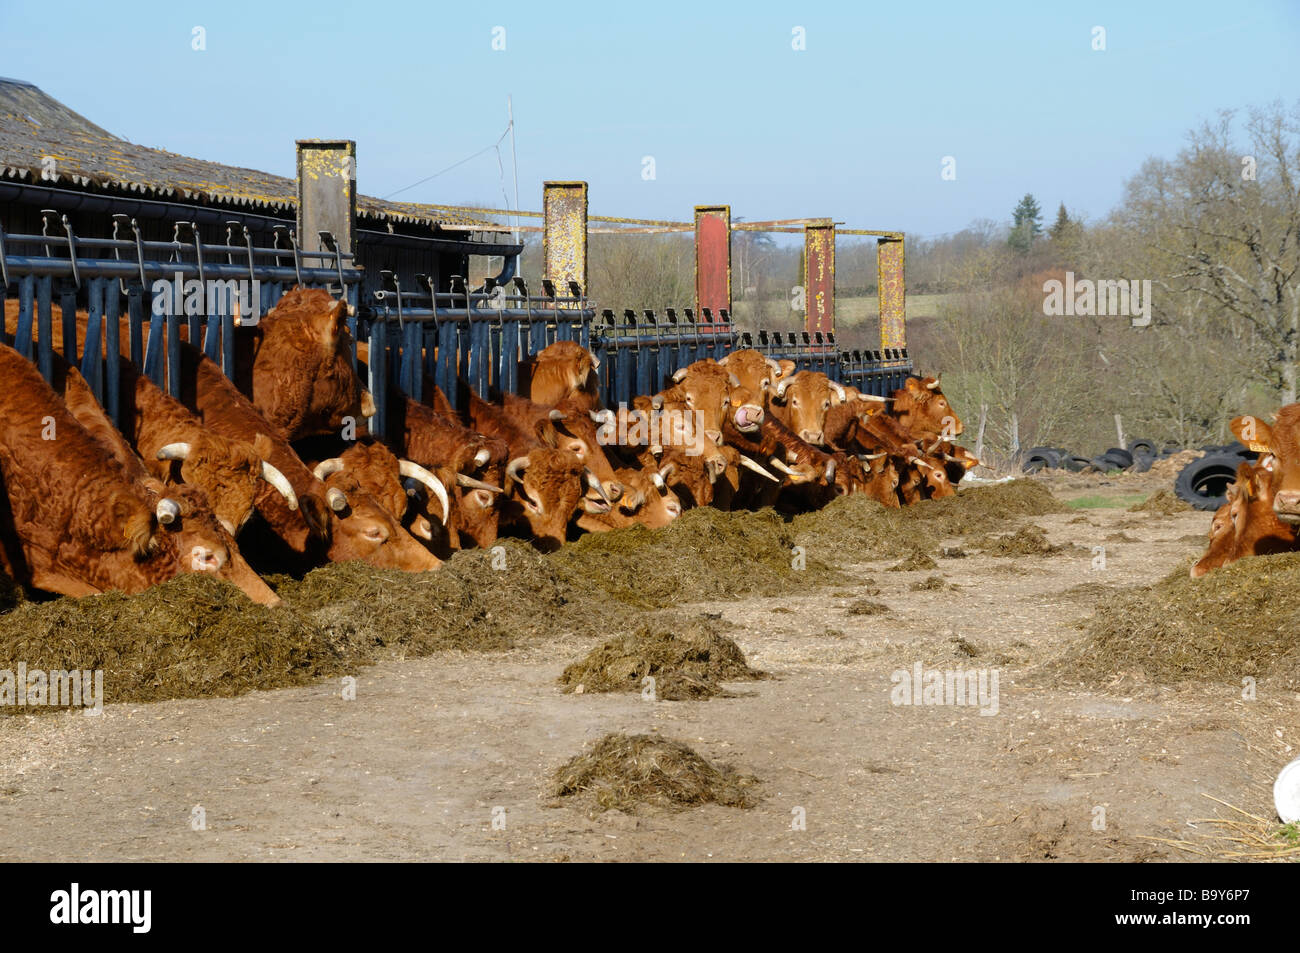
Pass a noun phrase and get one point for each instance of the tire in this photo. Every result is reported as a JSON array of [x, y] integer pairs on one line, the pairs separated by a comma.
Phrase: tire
[[1120, 457], [1142, 462], [1046, 456], [1203, 483], [1142, 446], [1075, 464]]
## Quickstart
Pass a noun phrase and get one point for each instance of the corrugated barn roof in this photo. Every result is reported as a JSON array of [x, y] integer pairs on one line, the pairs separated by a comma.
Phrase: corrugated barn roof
[[35, 127]]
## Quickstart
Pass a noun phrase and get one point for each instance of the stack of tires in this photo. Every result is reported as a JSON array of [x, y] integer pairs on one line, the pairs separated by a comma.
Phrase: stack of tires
[[1204, 483], [1137, 456]]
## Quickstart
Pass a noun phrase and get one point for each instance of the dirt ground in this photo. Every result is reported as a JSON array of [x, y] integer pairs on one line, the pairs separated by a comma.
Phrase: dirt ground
[[449, 757]]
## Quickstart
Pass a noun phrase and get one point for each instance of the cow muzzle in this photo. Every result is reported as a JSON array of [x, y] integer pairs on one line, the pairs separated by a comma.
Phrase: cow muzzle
[[749, 418], [1286, 506]]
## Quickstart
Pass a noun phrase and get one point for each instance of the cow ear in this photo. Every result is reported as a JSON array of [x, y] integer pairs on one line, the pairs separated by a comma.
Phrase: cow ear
[[914, 387], [1253, 432], [545, 431], [262, 446], [332, 323], [787, 367]]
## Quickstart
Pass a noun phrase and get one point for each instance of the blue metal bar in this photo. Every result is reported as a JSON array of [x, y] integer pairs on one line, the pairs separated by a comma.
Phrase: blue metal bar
[[68, 309], [91, 361], [174, 354], [113, 350], [44, 329], [379, 377], [23, 334]]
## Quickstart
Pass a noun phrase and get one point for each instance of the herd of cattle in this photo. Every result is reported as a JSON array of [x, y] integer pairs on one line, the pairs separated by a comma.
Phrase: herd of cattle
[[87, 506]]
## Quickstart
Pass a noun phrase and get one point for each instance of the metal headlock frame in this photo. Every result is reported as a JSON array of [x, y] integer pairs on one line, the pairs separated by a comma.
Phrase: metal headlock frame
[[480, 336]]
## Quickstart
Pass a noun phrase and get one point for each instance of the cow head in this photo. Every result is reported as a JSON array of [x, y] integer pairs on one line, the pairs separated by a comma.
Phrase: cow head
[[303, 379], [1222, 538], [807, 397], [230, 472], [756, 380], [570, 427], [548, 486], [711, 393], [191, 536], [361, 528], [565, 370], [923, 409], [1282, 442]]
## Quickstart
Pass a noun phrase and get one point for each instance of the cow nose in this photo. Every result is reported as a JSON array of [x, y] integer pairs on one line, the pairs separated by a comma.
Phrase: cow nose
[[1287, 500], [1199, 570], [812, 436], [203, 559], [715, 436], [750, 415], [613, 490]]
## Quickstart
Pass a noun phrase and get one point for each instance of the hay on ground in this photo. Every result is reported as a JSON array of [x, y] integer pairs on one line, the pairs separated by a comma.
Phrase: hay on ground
[[914, 563], [1162, 503], [1235, 622], [929, 584], [688, 661], [625, 771], [1027, 541]]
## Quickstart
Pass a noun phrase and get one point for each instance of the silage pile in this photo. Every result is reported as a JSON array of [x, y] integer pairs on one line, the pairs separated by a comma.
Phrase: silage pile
[[1236, 622], [690, 660], [625, 771]]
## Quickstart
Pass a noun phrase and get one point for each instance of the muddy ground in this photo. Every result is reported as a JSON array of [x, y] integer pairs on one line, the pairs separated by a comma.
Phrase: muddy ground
[[449, 757]]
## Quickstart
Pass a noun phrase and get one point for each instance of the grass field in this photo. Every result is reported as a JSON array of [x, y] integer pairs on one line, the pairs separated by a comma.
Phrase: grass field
[[850, 313]]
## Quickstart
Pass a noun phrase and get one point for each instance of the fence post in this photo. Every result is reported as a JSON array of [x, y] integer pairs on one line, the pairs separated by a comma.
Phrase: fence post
[[1119, 430], [819, 277], [327, 194], [564, 241], [713, 258], [979, 436], [890, 292]]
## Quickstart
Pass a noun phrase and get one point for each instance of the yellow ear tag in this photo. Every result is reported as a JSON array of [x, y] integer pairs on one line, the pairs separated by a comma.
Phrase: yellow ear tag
[[1258, 447]]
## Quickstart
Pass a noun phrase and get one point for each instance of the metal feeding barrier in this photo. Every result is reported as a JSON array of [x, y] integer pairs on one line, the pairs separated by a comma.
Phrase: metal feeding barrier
[[99, 273], [482, 336]]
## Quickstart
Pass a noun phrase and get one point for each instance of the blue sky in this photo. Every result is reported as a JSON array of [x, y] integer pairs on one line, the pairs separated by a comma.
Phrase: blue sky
[[854, 127]]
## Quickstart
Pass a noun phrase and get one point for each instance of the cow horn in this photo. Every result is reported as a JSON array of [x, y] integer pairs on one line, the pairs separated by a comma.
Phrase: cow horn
[[327, 467], [416, 472], [594, 484], [274, 477], [778, 465], [173, 451], [749, 464], [482, 457], [881, 400], [602, 416], [950, 458], [595, 363], [515, 467], [830, 469], [679, 375], [933, 385], [657, 401], [472, 484], [922, 463], [733, 380], [776, 368], [338, 500], [167, 511], [780, 387], [839, 391], [657, 480], [556, 415], [864, 457]]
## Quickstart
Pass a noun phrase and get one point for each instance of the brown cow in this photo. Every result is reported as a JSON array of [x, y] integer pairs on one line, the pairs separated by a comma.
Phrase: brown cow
[[1282, 441], [802, 402], [568, 427], [82, 523], [302, 375], [921, 407], [547, 485], [647, 500], [1253, 528], [565, 371]]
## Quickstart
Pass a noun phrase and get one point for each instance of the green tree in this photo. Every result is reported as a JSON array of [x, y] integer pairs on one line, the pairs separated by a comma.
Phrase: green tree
[[1026, 224], [1061, 225]]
